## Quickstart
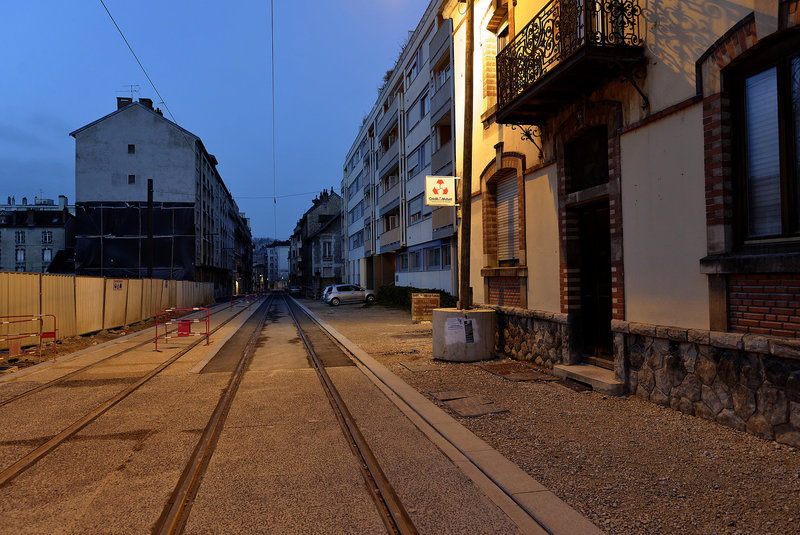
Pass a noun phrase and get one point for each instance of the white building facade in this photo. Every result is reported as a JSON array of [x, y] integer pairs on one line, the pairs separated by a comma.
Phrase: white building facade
[[391, 236]]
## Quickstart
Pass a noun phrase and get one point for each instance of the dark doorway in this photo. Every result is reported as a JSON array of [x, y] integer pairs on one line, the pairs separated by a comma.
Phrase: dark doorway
[[595, 274]]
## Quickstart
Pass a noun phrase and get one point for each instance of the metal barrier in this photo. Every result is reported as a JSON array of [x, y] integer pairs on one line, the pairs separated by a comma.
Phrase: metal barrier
[[250, 298], [36, 320], [184, 325]]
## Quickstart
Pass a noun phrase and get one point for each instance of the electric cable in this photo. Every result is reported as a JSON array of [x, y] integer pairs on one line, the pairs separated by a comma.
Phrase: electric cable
[[144, 71], [274, 161]]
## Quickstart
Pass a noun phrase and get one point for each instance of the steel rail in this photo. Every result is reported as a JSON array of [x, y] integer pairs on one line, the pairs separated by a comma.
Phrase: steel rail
[[22, 464], [393, 514], [411, 407], [176, 512], [66, 376]]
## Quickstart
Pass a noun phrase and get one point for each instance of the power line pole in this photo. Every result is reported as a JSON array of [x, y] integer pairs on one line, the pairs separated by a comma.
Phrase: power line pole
[[464, 293]]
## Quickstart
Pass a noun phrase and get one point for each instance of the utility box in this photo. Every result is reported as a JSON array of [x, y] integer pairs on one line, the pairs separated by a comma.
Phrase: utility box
[[422, 306]]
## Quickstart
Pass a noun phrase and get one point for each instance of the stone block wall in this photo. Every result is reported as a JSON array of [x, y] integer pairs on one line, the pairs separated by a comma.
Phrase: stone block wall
[[531, 335], [748, 382]]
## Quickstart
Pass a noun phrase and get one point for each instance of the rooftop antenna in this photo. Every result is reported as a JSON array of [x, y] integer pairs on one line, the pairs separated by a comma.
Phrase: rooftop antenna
[[132, 88]]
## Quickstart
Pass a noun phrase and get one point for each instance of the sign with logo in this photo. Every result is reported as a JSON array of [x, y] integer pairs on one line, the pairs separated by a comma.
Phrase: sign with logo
[[118, 285], [440, 190]]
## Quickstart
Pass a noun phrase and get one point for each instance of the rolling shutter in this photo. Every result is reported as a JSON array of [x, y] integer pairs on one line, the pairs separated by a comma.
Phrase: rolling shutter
[[506, 202]]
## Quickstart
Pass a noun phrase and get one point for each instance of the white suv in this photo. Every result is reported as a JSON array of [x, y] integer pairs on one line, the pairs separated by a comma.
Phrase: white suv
[[347, 293]]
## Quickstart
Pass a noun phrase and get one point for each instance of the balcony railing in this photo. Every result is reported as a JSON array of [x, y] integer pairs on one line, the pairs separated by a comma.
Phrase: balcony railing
[[575, 40]]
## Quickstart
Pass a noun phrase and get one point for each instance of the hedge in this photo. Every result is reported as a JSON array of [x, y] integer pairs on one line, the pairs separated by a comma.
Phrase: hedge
[[400, 296]]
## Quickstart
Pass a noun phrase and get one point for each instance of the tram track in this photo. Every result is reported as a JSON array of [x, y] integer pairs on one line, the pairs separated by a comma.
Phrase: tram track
[[9, 474], [73, 373], [174, 516], [391, 509], [176, 512]]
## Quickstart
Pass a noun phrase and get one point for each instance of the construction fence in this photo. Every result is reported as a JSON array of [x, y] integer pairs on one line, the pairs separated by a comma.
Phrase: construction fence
[[84, 305]]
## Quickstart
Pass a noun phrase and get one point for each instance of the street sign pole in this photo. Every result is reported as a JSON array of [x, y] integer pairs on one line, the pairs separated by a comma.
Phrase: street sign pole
[[464, 293]]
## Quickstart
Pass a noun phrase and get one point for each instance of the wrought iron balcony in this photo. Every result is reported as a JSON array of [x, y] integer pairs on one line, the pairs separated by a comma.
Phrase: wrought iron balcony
[[570, 47]]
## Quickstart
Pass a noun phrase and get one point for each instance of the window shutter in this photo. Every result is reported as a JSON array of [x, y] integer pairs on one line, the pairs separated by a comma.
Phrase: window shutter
[[506, 202], [763, 154]]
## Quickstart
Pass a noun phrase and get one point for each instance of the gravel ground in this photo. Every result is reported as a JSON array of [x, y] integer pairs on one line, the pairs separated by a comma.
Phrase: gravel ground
[[628, 465]]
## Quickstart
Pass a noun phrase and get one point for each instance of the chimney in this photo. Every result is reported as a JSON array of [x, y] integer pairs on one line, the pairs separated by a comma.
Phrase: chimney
[[158, 111], [123, 101], [62, 201], [148, 102]]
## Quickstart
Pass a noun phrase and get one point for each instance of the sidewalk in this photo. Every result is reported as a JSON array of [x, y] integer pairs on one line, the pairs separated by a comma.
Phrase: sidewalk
[[628, 465]]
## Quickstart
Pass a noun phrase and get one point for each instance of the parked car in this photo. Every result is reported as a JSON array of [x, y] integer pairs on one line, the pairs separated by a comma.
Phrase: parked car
[[294, 290], [325, 292], [347, 293]]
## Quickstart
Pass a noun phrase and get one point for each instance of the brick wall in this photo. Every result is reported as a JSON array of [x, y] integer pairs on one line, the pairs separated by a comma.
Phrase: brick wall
[[489, 70], [765, 304], [504, 291]]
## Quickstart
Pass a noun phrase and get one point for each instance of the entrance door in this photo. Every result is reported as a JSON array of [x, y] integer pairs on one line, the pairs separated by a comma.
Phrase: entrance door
[[595, 266]]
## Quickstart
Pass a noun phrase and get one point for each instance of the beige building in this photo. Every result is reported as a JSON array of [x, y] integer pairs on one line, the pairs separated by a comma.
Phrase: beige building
[[636, 196]]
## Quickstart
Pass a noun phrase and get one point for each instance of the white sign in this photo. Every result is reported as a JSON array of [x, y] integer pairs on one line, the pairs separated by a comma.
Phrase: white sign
[[440, 190], [460, 331]]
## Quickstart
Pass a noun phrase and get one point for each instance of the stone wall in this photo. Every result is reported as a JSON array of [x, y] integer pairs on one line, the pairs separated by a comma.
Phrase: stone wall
[[531, 335], [748, 382]]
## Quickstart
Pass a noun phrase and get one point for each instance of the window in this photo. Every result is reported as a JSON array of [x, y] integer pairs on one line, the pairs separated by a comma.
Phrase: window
[[766, 93], [131, 149], [419, 158], [415, 210], [433, 258], [326, 250], [357, 212], [47, 255], [47, 236], [415, 260], [446, 262], [417, 111], [506, 214], [357, 240], [402, 262], [502, 38], [20, 255], [131, 179], [441, 75], [19, 236]]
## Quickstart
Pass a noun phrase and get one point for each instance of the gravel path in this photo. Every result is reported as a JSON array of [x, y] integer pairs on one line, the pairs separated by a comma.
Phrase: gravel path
[[628, 465]]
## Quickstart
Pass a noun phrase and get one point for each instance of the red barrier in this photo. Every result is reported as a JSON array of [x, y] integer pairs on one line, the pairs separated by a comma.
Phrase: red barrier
[[37, 322], [184, 325]]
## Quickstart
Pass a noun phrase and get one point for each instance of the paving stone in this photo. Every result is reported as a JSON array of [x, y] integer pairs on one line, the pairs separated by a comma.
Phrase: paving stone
[[474, 406]]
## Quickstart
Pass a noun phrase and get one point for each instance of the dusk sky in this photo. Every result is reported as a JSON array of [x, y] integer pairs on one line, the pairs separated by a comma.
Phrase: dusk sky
[[65, 63]]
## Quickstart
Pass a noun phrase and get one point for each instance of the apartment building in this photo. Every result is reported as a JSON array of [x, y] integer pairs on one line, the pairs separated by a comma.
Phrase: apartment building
[[392, 236], [196, 231], [271, 265], [32, 234], [634, 197], [315, 248]]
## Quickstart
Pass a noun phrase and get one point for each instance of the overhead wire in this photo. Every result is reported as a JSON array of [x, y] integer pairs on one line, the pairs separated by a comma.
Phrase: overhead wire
[[152, 84], [274, 160]]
